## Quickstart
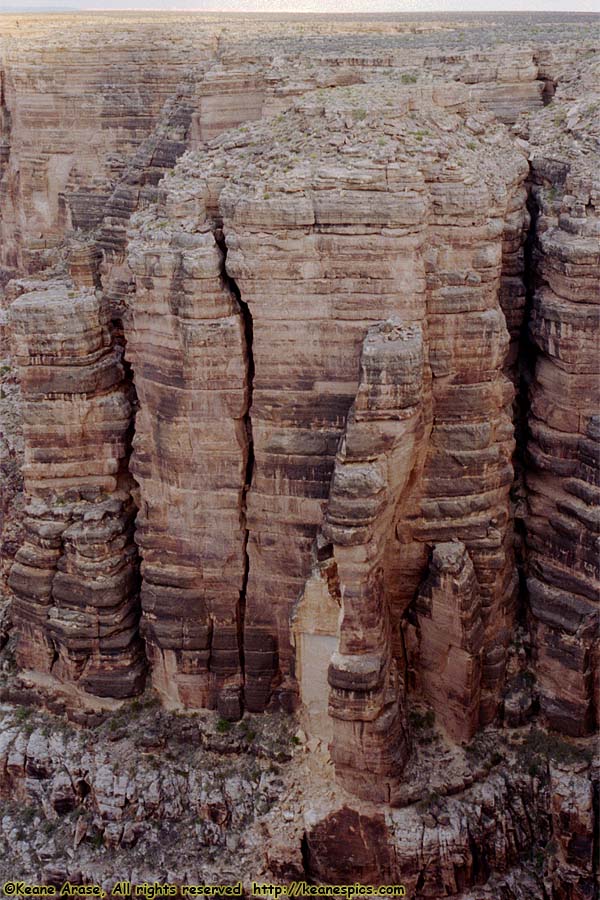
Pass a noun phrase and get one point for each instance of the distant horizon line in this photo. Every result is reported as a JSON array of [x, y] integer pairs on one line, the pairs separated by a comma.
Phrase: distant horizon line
[[29, 10]]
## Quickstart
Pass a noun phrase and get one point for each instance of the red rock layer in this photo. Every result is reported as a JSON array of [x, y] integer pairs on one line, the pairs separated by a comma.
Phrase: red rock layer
[[75, 577], [463, 492], [436, 855], [563, 450], [187, 347], [322, 248], [374, 464], [338, 260], [450, 640]]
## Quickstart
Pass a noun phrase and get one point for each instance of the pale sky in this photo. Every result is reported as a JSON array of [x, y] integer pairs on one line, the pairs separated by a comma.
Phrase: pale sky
[[311, 6]]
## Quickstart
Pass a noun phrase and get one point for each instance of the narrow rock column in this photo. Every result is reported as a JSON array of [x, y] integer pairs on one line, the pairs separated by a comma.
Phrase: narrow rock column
[[451, 639], [374, 462], [187, 347], [469, 472], [563, 453], [75, 577]]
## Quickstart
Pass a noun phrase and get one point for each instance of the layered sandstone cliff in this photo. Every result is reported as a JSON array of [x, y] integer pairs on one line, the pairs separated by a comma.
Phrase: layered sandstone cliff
[[563, 449], [75, 577], [310, 425]]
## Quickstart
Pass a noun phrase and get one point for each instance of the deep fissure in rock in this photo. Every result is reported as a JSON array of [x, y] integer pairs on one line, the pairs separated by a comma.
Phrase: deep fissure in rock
[[231, 284], [526, 367]]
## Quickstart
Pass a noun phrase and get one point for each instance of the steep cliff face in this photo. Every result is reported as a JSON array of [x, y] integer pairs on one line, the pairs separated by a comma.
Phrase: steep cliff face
[[75, 577], [187, 347], [309, 402], [74, 124], [563, 449], [377, 474]]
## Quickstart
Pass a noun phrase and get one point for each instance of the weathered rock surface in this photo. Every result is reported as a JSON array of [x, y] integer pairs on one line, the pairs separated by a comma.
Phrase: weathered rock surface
[[152, 797], [563, 450], [376, 458], [450, 639], [187, 347], [75, 576], [313, 226], [309, 422]]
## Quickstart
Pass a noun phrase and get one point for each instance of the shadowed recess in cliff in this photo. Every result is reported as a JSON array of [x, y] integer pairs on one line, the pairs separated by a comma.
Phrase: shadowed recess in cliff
[[232, 286], [258, 649]]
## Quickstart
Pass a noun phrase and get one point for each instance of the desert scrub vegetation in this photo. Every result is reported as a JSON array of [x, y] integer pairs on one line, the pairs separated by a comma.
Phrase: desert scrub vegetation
[[539, 748]]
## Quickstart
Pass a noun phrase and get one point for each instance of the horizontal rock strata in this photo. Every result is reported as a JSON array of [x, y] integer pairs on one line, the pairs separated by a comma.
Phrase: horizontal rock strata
[[282, 417], [450, 639], [187, 347], [563, 449], [318, 255], [376, 458], [75, 577]]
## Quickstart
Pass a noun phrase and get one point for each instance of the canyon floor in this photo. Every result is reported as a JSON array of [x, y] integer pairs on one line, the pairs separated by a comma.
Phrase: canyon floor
[[299, 444]]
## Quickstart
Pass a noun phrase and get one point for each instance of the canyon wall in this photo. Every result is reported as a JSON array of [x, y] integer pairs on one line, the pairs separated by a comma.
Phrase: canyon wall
[[563, 449], [309, 400]]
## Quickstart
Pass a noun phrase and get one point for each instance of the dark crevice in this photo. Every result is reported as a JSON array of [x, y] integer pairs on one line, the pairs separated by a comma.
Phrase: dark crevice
[[480, 869], [526, 369], [126, 478], [305, 851], [547, 78], [232, 286], [54, 659], [596, 836], [548, 90]]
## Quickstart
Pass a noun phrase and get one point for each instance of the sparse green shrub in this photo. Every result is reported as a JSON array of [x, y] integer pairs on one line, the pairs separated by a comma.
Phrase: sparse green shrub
[[97, 841]]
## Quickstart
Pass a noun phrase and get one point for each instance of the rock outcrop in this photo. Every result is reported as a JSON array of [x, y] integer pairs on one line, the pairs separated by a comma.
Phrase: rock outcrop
[[375, 461], [187, 346], [308, 387], [563, 449], [75, 578], [451, 639]]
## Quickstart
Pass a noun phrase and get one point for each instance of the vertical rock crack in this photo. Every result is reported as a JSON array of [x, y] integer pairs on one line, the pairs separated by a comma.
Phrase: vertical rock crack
[[248, 328]]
